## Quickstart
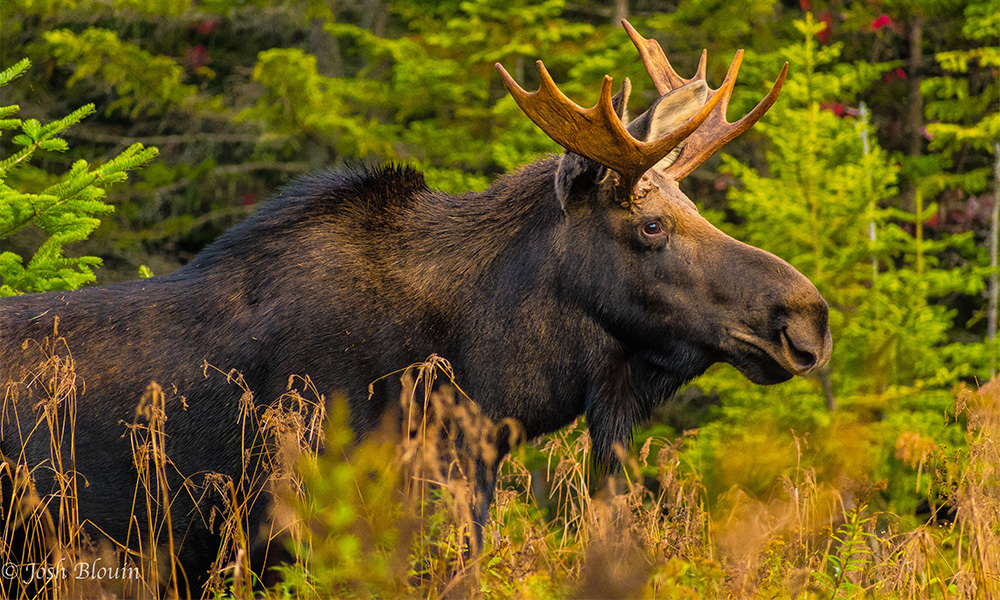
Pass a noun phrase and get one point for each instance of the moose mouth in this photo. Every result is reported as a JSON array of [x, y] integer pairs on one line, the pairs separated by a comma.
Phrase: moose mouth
[[768, 362]]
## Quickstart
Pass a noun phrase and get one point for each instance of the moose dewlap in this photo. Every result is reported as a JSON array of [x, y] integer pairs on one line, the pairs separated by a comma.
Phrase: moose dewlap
[[585, 283]]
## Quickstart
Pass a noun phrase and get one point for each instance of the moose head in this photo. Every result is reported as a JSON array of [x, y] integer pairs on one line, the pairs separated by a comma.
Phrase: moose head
[[662, 277]]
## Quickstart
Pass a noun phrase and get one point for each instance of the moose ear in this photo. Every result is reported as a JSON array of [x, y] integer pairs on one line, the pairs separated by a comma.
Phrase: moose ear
[[575, 172], [667, 114]]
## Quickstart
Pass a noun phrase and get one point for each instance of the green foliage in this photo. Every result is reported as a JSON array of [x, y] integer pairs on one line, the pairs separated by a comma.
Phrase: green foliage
[[143, 83], [67, 211], [828, 187], [828, 184], [356, 541], [962, 104], [447, 128], [298, 100], [852, 556], [696, 24]]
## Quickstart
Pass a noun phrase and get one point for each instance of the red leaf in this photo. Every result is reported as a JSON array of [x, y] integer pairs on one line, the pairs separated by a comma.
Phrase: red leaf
[[197, 57], [837, 109], [206, 27], [824, 35], [881, 21]]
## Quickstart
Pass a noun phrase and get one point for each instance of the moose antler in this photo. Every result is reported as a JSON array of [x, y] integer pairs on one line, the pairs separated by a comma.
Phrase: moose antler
[[716, 132], [597, 132]]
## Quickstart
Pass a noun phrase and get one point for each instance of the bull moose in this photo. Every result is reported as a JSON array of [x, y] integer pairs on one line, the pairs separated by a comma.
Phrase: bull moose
[[585, 283]]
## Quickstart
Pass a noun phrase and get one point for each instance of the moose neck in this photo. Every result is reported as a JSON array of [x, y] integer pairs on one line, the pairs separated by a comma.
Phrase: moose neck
[[522, 279], [491, 243]]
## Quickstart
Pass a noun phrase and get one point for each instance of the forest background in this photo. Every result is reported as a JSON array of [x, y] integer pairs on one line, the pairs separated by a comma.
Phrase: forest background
[[874, 174]]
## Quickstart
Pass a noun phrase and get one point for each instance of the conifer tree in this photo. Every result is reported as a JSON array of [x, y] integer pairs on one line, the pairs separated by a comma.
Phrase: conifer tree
[[815, 202], [827, 193], [66, 211], [963, 125]]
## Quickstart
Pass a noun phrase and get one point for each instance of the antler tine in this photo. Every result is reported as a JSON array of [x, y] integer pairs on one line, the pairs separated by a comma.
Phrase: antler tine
[[598, 133], [573, 127], [702, 64], [664, 77], [716, 132], [712, 109]]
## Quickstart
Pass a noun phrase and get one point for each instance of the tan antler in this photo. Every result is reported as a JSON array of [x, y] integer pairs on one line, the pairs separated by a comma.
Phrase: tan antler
[[597, 132], [716, 132]]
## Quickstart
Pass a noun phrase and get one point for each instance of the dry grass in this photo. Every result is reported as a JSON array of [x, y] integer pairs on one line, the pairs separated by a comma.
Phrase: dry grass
[[394, 514]]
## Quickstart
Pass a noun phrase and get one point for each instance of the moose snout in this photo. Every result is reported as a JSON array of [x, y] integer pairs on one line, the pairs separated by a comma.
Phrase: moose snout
[[783, 321], [806, 343]]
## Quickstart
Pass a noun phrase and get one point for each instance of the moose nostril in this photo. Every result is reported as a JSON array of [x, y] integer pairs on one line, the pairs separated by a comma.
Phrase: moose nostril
[[801, 358]]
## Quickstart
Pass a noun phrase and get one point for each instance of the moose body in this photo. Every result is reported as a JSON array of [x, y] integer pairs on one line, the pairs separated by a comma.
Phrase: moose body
[[571, 286]]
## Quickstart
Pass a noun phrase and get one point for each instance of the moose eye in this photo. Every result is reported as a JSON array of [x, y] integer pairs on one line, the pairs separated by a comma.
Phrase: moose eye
[[652, 229]]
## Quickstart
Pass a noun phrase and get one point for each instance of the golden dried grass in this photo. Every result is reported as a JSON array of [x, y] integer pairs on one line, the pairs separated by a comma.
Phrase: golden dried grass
[[393, 515]]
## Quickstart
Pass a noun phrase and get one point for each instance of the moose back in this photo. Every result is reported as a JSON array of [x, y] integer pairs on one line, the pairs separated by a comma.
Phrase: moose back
[[585, 283]]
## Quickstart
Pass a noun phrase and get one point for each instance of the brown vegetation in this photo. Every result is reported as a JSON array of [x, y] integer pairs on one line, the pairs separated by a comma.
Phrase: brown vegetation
[[392, 515]]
